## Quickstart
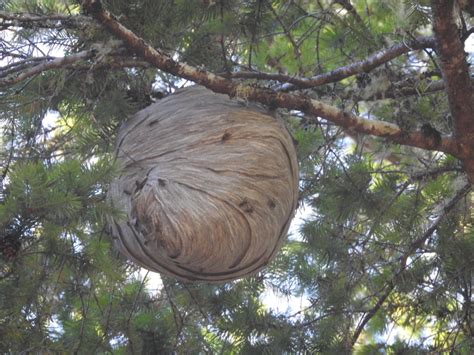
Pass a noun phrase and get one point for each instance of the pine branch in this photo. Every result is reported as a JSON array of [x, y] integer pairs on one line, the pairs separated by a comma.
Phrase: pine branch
[[412, 248], [46, 65], [179, 319], [20, 65], [289, 36], [27, 20], [371, 62], [18, 71], [356, 24], [268, 97], [404, 90], [399, 90], [346, 4]]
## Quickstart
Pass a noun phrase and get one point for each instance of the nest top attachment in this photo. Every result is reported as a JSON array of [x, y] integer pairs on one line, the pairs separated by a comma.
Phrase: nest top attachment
[[208, 187]]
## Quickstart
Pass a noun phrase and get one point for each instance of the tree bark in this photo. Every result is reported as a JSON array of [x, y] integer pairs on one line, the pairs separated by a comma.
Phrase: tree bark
[[458, 85]]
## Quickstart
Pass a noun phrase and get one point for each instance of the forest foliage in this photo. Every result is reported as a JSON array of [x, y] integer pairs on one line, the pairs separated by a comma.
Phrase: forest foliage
[[384, 257]]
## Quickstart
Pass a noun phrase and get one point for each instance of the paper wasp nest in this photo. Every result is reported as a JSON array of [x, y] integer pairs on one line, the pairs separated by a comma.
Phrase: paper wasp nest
[[208, 186]]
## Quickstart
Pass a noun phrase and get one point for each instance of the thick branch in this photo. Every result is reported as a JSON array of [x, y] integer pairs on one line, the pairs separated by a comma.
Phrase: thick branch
[[265, 96], [456, 76], [413, 247], [366, 65]]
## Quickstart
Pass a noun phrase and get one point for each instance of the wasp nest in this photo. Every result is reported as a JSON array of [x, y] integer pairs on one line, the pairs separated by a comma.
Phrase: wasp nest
[[208, 186]]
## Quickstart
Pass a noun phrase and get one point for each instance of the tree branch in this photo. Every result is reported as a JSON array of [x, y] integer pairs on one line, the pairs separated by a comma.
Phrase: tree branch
[[19, 65], [457, 80], [267, 97], [404, 89], [366, 65], [287, 32], [346, 4], [47, 65], [18, 71], [413, 247], [27, 20]]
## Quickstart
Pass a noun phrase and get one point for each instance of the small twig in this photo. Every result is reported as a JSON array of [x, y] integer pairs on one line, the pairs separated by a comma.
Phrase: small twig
[[295, 46], [26, 20], [413, 247], [135, 301], [21, 64], [47, 65], [346, 4], [467, 34], [178, 317], [404, 90], [222, 38], [196, 302]]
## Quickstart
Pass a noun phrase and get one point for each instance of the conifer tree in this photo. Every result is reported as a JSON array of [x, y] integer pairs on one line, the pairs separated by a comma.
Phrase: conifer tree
[[379, 97]]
